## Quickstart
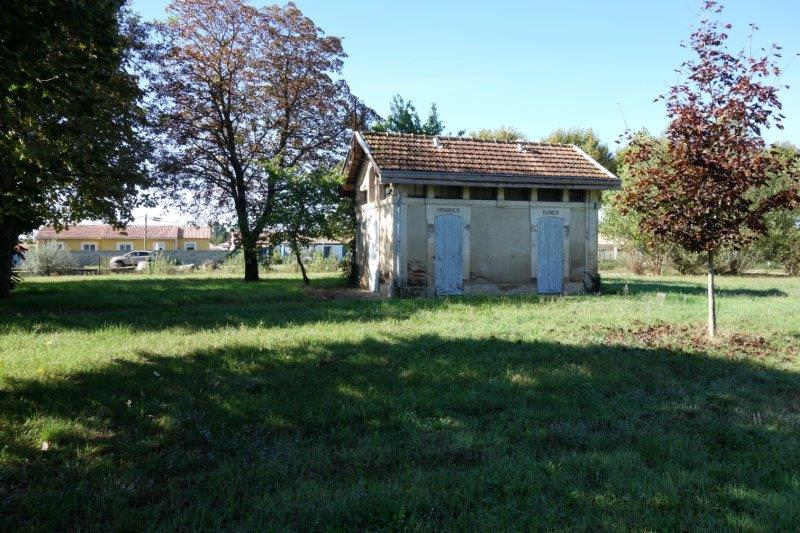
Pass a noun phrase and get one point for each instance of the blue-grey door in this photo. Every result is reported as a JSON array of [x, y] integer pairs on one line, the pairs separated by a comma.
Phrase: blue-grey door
[[448, 234], [550, 260]]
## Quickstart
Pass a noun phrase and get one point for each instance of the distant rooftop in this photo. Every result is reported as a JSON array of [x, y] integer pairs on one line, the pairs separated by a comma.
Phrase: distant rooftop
[[133, 231]]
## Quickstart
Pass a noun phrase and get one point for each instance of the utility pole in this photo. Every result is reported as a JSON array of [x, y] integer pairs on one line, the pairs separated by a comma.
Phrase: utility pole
[[155, 219]]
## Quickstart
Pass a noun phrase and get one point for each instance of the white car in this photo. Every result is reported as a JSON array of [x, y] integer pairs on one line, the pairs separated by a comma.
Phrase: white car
[[130, 259]]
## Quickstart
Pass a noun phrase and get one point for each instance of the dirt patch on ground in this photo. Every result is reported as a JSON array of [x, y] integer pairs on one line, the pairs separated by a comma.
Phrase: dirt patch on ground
[[693, 337]]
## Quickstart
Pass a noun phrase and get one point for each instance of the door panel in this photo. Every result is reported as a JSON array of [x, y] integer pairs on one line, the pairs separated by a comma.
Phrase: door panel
[[550, 260], [448, 234]]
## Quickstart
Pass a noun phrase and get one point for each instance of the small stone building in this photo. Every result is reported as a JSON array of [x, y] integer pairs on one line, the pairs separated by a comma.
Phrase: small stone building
[[451, 215]]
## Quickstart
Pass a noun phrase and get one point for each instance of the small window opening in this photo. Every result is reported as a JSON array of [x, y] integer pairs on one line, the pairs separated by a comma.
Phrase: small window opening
[[483, 193], [417, 191], [448, 192], [551, 195], [577, 195], [517, 194]]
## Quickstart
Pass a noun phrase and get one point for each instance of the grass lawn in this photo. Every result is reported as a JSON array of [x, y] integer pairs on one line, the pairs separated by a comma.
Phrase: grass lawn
[[207, 403]]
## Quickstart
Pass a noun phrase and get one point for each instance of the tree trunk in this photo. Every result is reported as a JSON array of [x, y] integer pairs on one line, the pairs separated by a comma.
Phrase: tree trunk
[[712, 304], [250, 262], [8, 240], [296, 250]]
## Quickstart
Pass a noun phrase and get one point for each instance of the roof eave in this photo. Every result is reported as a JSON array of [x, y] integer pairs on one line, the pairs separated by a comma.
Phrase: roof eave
[[421, 177], [364, 146]]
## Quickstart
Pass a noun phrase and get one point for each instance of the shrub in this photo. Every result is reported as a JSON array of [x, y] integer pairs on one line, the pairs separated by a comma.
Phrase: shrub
[[161, 264], [314, 263], [49, 259], [727, 261], [635, 262], [790, 256], [736, 261], [686, 263], [233, 263]]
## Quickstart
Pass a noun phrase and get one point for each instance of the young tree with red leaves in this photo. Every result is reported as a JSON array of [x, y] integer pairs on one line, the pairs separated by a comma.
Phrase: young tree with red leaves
[[703, 191], [240, 91]]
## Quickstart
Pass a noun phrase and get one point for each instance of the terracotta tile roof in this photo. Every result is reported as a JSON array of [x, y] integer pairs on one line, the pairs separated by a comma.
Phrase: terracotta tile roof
[[459, 158], [133, 231]]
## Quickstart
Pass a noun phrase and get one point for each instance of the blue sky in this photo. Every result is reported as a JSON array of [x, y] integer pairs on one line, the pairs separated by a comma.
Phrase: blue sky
[[535, 65]]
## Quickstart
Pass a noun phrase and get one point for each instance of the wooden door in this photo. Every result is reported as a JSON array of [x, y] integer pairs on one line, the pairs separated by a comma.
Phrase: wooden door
[[448, 271], [550, 260]]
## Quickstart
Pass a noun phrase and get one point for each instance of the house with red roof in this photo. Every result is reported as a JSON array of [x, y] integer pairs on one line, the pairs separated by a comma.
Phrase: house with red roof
[[448, 215], [106, 238]]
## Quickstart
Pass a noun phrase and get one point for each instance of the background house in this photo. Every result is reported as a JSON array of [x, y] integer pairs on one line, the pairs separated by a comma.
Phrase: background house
[[322, 247], [105, 238], [445, 215]]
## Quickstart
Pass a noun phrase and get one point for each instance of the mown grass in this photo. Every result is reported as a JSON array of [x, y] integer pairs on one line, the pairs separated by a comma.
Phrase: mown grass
[[207, 403]]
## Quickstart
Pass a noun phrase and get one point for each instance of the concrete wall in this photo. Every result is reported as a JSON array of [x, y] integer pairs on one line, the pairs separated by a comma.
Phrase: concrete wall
[[500, 243], [416, 244], [577, 243]]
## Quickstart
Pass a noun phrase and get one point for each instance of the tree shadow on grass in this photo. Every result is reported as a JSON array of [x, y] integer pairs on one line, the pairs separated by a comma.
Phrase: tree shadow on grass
[[638, 286], [155, 304], [420, 432]]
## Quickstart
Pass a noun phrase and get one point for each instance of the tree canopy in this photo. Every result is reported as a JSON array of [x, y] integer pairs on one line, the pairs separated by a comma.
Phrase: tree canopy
[[245, 94], [503, 133], [403, 118], [589, 142], [70, 117]]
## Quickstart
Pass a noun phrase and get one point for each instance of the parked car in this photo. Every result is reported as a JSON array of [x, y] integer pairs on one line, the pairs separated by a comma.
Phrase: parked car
[[130, 259]]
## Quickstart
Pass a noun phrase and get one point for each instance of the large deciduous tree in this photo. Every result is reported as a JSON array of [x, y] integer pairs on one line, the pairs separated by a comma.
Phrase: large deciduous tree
[[70, 117], [705, 191], [243, 95]]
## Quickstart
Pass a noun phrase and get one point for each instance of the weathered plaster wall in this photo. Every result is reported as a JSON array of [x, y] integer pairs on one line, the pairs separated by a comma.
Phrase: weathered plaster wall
[[416, 243], [577, 243], [500, 244], [386, 239], [499, 240]]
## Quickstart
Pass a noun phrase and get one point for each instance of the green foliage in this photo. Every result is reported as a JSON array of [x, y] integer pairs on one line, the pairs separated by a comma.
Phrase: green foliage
[[433, 124], [48, 258], [160, 264], [789, 257], [588, 141], [307, 208], [314, 263], [219, 233], [245, 95], [403, 118], [647, 253], [70, 108], [644, 253], [503, 133]]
